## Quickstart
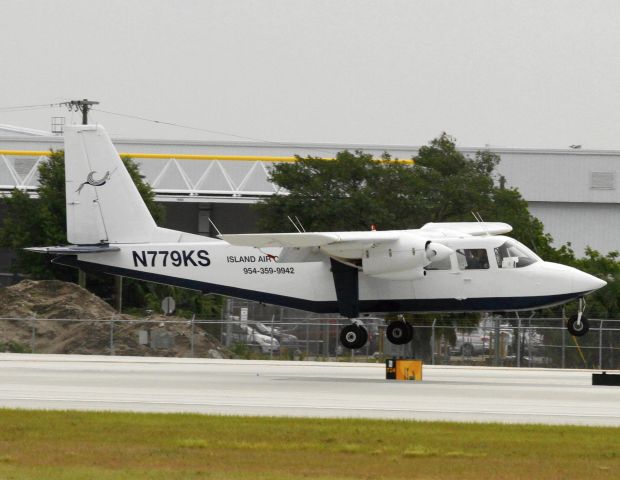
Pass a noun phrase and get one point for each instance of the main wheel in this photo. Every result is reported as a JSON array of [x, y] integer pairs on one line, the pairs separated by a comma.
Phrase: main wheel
[[353, 337], [578, 329], [399, 332]]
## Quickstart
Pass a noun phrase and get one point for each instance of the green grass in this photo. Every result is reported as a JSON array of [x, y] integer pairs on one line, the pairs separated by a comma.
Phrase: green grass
[[79, 445]]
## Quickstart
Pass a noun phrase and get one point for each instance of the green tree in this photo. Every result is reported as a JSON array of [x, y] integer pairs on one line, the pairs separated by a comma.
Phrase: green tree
[[350, 193], [354, 191], [144, 189], [604, 303], [452, 185], [41, 221]]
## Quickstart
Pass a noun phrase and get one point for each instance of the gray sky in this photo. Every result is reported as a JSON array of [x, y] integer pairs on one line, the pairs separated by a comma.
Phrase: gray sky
[[504, 73]]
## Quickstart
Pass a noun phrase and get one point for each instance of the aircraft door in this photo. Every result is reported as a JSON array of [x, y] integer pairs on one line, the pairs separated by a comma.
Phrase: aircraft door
[[511, 258], [476, 276], [442, 280]]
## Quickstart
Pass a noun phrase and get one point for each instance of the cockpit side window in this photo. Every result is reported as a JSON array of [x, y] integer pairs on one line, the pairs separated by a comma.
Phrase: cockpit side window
[[472, 259], [512, 255]]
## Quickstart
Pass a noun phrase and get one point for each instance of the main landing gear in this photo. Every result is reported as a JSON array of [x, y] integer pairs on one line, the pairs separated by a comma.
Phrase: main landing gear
[[578, 324], [399, 332], [354, 336]]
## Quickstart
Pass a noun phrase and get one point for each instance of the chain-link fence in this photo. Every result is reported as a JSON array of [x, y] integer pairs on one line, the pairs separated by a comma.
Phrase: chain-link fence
[[250, 330]]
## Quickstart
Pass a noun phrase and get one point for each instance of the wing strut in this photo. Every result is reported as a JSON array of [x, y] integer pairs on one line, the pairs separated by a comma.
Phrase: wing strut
[[347, 289]]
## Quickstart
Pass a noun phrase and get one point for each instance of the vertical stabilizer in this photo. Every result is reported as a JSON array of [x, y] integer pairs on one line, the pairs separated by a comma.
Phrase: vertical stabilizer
[[103, 204]]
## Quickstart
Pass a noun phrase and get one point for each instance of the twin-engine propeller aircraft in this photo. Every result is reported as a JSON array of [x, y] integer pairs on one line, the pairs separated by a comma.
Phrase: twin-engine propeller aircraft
[[441, 267]]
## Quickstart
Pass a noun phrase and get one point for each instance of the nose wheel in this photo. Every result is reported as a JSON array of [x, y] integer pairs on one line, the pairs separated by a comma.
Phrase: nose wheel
[[399, 332], [578, 324], [353, 336]]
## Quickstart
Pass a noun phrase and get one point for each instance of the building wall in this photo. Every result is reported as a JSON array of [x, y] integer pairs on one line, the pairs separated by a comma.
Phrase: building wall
[[231, 218], [572, 177], [573, 192], [193, 217], [582, 224]]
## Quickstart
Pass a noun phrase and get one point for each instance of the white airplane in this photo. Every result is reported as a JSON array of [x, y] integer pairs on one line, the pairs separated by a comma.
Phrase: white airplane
[[441, 267]]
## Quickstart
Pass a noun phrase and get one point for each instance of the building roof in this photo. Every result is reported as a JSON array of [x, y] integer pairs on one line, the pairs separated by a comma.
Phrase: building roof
[[13, 131], [575, 192]]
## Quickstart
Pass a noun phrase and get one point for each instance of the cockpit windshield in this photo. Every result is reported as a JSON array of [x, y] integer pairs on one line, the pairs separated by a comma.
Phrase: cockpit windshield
[[512, 254]]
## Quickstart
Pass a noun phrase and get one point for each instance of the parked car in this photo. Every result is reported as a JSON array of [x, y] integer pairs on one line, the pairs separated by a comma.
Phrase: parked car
[[475, 342], [251, 337], [480, 340], [284, 338]]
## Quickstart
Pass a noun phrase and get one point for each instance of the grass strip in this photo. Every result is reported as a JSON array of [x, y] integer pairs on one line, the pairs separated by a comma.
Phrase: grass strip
[[105, 445]]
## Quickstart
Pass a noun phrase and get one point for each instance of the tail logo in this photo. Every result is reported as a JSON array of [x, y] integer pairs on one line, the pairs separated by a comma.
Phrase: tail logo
[[91, 180]]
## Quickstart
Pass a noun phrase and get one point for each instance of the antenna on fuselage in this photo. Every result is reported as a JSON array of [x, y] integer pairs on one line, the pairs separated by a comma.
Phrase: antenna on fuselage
[[294, 224], [219, 234], [479, 219], [300, 225]]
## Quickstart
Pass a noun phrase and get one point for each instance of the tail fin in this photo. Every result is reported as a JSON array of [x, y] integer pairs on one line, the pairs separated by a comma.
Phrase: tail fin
[[103, 204]]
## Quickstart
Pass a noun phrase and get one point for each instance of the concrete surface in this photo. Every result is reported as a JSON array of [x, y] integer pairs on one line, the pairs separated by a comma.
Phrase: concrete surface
[[308, 389]]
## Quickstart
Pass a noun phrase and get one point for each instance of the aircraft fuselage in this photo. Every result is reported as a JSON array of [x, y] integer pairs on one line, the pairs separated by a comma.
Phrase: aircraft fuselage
[[255, 274]]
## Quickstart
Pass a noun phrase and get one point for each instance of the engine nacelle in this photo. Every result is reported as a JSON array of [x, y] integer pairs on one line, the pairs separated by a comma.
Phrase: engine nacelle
[[403, 259]]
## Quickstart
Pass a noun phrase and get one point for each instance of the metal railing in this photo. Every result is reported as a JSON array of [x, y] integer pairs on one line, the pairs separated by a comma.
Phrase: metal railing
[[542, 342]]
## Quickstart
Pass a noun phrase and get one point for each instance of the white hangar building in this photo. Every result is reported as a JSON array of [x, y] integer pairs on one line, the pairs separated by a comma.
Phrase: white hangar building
[[573, 192]]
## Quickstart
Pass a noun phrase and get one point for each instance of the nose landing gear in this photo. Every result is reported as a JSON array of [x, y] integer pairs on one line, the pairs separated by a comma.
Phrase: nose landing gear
[[578, 324]]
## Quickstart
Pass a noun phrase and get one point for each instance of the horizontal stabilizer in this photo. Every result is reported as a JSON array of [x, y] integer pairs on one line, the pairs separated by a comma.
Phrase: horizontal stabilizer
[[73, 249]]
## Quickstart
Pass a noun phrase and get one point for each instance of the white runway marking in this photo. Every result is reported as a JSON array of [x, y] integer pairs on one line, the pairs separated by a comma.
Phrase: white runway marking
[[308, 389]]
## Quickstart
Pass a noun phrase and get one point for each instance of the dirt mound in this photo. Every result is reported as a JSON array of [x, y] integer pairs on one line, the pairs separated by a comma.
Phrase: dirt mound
[[52, 299], [50, 316]]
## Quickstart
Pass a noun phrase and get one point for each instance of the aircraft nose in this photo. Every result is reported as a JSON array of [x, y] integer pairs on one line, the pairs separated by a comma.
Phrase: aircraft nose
[[584, 282]]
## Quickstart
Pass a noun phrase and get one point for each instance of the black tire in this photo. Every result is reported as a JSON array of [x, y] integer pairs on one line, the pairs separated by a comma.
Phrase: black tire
[[353, 337], [575, 329], [467, 350], [399, 332]]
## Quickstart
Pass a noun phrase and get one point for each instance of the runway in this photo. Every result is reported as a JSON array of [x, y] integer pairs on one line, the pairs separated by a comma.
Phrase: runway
[[305, 389]]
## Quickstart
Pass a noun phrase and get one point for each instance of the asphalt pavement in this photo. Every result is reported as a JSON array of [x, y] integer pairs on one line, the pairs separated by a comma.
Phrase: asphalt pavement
[[304, 389]]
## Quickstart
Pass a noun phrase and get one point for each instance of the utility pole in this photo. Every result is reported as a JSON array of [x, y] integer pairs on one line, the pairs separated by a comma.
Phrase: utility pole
[[83, 106]]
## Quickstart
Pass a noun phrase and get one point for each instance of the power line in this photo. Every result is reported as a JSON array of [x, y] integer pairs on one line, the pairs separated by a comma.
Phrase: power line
[[79, 105], [83, 106], [18, 108], [189, 127]]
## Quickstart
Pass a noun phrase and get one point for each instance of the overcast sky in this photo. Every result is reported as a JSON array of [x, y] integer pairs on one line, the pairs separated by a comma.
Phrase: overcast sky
[[503, 73]]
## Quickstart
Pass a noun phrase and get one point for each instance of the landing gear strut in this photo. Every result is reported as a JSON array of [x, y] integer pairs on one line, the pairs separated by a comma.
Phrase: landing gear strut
[[578, 324], [399, 332], [353, 336]]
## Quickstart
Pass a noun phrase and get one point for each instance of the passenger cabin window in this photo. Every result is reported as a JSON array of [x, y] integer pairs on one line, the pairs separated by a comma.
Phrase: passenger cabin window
[[443, 264], [512, 255], [472, 259]]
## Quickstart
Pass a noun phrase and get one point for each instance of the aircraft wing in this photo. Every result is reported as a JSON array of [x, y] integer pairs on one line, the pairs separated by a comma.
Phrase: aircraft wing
[[469, 228], [261, 240], [299, 247], [308, 239], [361, 239]]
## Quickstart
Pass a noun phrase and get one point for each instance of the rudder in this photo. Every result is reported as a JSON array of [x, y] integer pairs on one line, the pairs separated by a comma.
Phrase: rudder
[[103, 203]]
